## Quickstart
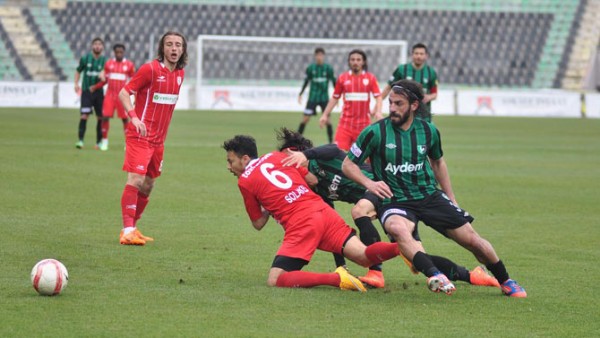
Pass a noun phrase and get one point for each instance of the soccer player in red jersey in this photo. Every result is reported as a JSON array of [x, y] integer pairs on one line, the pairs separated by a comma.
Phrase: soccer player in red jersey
[[356, 85], [271, 189], [116, 73], [156, 88]]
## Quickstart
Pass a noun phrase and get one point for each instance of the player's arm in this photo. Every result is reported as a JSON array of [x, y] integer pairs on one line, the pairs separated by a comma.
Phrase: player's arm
[[388, 87], [311, 179], [353, 172], [301, 158], [78, 71], [258, 215], [304, 85], [141, 79], [432, 92], [440, 169], [337, 93]]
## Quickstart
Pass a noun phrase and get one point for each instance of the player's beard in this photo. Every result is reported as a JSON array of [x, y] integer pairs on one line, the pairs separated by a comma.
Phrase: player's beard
[[403, 117]]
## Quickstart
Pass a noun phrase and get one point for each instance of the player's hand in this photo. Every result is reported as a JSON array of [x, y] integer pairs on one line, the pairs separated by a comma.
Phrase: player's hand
[[377, 116], [294, 159], [300, 99], [380, 188], [92, 89], [323, 121], [77, 88], [102, 76], [140, 127]]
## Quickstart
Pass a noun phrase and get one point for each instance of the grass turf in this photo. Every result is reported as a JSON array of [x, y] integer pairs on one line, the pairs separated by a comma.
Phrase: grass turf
[[532, 185]]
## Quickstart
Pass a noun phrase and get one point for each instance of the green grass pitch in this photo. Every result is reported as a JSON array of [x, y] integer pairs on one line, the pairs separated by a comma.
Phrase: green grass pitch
[[532, 185]]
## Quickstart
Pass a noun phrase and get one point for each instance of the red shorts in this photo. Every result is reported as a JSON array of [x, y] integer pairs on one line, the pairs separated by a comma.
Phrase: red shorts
[[143, 158], [344, 138], [112, 102], [324, 230]]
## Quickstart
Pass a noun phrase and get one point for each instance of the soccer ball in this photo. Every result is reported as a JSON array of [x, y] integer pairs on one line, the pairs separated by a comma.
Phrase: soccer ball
[[49, 277]]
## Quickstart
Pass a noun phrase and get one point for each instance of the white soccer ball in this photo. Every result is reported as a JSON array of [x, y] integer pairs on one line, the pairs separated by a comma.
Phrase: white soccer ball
[[49, 277]]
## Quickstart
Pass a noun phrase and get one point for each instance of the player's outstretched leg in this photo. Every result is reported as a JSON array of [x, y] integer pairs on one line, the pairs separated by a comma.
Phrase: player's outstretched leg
[[285, 273], [467, 237], [455, 272]]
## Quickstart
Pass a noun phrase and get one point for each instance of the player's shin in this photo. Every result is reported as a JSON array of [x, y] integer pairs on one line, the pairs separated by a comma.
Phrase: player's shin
[[301, 127], [453, 271], [142, 201], [380, 252], [304, 279], [499, 271], [368, 234], [105, 127], [330, 133], [129, 202], [98, 131], [423, 263], [82, 128], [339, 260]]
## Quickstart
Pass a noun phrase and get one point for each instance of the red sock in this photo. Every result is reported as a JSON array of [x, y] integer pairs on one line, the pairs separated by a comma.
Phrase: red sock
[[105, 126], [142, 202], [303, 279], [381, 252], [129, 205]]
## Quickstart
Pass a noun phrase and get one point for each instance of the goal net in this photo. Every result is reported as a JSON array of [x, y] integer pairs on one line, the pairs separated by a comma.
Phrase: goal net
[[266, 73]]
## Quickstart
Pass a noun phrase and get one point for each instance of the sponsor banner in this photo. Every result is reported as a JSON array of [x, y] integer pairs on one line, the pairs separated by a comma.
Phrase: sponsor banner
[[542, 103], [67, 98], [592, 105], [27, 94], [444, 103]]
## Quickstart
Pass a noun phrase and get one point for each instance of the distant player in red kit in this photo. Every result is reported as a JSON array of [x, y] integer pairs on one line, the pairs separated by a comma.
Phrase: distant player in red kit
[[356, 85], [156, 88], [116, 73], [271, 189]]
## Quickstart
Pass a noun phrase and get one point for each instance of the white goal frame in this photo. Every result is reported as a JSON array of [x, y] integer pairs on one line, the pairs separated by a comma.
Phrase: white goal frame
[[402, 47]]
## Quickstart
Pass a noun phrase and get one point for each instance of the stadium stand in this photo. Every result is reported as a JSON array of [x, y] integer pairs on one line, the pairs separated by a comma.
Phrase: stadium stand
[[520, 43]]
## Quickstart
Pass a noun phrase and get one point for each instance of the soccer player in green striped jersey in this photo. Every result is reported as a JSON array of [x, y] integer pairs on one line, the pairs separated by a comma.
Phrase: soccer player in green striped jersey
[[418, 70], [318, 74], [407, 160], [325, 163], [90, 66]]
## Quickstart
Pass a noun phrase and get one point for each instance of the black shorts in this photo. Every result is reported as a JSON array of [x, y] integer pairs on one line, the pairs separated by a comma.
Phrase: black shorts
[[371, 197], [311, 107], [92, 100], [436, 211]]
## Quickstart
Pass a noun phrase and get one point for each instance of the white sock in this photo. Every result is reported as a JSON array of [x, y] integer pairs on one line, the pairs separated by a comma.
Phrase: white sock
[[127, 230]]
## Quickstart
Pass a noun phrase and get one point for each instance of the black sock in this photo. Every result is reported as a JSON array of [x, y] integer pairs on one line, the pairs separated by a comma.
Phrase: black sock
[[423, 263], [82, 127], [330, 133], [499, 271], [301, 127], [452, 270], [368, 234], [98, 131], [339, 260]]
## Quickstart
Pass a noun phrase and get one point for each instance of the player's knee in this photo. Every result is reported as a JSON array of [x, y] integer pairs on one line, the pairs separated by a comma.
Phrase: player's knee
[[359, 210], [147, 186], [84, 116], [399, 231]]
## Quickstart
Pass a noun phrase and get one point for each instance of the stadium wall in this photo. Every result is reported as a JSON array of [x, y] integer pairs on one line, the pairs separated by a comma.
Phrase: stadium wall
[[524, 103]]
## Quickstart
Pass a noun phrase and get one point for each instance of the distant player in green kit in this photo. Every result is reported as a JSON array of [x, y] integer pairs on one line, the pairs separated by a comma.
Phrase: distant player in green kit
[[419, 71], [318, 74], [88, 70]]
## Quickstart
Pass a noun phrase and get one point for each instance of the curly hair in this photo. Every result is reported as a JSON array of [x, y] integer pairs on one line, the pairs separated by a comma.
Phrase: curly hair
[[242, 145], [292, 139]]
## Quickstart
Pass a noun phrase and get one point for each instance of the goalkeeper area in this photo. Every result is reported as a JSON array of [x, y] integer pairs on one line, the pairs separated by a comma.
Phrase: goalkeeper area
[[245, 66]]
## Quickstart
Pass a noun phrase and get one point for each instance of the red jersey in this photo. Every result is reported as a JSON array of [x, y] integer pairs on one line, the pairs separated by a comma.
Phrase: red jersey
[[356, 90], [117, 73], [156, 91], [280, 190]]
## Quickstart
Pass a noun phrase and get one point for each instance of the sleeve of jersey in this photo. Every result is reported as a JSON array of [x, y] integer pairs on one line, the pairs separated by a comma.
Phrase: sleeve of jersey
[[325, 152], [361, 149], [337, 91], [434, 87], [436, 152], [251, 203], [395, 76], [140, 79], [82, 65]]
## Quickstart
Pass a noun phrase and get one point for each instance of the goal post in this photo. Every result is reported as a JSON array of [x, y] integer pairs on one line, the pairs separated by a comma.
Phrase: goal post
[[265, 73]]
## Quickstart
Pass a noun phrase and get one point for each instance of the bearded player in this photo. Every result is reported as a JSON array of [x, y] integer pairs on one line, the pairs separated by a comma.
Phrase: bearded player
[[156, 88]]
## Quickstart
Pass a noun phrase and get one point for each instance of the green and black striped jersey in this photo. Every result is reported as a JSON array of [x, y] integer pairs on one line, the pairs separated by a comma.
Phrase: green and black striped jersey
[[333, 184], [426, 76], [319, 77], [400, 158], [90, 68]]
